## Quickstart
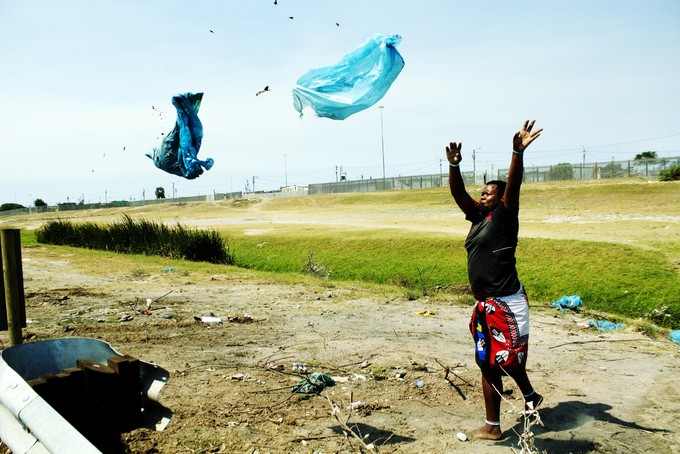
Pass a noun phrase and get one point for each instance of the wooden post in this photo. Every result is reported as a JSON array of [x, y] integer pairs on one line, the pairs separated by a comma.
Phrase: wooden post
[[15, 306]]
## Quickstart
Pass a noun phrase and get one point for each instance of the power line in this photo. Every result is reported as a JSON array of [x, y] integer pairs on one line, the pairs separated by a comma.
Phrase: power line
[[588, 147]]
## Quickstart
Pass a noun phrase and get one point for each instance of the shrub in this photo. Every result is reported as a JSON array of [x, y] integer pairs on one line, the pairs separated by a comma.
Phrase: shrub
[[10, 206], [140, 237], [670, 174]]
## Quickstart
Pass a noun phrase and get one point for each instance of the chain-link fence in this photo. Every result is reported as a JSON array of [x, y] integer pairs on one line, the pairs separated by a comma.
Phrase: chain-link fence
[[639, 168], [643, 168]]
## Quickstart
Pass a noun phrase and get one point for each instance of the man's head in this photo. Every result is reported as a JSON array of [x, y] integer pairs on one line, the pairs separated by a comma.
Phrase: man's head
[[493, 193]]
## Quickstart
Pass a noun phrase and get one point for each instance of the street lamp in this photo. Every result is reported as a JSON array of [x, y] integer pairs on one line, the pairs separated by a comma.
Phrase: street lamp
[[382, 138], [285, 168]]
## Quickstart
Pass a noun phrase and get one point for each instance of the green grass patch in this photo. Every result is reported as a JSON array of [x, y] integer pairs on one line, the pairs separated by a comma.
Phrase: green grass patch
[[613, 278], [131, 236]]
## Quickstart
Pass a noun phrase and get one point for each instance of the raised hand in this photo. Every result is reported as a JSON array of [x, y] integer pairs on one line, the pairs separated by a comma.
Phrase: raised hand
[[453, 153], [524, 137]]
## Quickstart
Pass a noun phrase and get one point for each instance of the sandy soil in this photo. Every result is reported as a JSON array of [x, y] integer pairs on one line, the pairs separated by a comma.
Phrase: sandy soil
[[604, 392]]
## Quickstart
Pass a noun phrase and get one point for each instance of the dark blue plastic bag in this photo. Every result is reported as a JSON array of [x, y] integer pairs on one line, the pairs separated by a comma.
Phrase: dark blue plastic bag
[[178, 153], [358, 81]]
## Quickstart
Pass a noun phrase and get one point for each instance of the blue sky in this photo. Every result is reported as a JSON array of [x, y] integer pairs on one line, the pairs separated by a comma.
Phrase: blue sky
[[86, 89]]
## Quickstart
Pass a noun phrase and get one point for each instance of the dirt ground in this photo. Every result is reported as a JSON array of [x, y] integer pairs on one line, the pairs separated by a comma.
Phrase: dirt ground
[[230, 384]]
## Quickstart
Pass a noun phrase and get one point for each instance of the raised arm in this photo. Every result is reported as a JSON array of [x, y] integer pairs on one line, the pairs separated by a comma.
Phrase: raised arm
[[521, 140], [456, 185]]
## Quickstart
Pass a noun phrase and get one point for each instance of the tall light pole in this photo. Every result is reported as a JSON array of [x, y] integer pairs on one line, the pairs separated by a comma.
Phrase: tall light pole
[[285, 168], [382, 138], [474, 166]]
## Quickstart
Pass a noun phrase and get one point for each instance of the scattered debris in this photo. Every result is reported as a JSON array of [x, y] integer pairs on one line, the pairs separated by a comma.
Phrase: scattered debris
[[426, 313], [570, 302], [314, 384], [245, 318], [461, 436], [675, 336], [357, 405], [209, 320], [605, 326], [300, 368]]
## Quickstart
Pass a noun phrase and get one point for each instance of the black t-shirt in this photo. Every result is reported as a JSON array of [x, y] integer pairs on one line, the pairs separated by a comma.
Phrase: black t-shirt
[[491, 245]]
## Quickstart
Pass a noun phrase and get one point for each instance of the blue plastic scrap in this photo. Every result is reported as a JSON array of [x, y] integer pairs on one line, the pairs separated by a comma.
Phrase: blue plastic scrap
[[178, 153], [358, 81], [675, 336], [570, 302], [605, 326]]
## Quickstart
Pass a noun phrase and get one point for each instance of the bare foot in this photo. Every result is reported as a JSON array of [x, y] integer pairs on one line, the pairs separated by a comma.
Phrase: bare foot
[[488, 432], [533, 402]]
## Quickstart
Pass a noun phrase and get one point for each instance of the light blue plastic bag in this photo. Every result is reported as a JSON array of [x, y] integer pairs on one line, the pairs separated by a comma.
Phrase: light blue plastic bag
[[358, 81], [675, 336], [604, 325], [570, 302], [178, 153]]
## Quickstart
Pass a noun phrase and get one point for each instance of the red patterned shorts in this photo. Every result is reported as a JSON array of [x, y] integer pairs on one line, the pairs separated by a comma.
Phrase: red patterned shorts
[[500, 329]]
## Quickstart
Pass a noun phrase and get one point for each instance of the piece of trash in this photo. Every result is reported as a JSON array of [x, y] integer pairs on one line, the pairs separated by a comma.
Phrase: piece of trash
[[357, 405], [166, 316], [300, 368], [165, 270], [359, 377], [570, 302], [400, 375], [62, 298], [314, 384], [273, 366], [426, 313], [357, 82], [419, 383], [245, 318], [365, 364], [341, 379], [675, 336], [147, 312], [125, 318], [209, 320], [178, 153], [461, 436], [605, 326], [238, 377], [149, 302]]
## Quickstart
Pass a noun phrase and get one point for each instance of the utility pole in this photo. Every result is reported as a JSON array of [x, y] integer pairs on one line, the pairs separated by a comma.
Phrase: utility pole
[[583, 168], [254, 182], [285, 168], [382, 138], [474, 166]]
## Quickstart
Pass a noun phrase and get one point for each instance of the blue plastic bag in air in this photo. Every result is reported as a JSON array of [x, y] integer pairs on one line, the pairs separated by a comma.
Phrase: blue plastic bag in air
[[570, 302], [358, 81], [178, 153]]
